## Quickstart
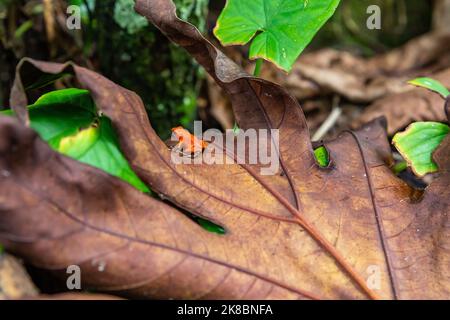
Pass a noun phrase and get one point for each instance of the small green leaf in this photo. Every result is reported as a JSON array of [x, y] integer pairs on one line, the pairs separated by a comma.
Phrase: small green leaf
[[67, 120], [236, 129], [2, 250], [24, 27], [210, 226], [280, 29], [432, 85], [98, 146], [60, 114], [418, 143], [322, 156]]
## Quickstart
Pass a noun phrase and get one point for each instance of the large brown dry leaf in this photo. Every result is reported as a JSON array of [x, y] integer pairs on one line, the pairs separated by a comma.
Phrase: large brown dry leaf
[[308, 232]]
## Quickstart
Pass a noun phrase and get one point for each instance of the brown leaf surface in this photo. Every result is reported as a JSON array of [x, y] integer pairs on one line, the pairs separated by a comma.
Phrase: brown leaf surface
[[308, 232], [363, 80], [402, 109], [73, 296]]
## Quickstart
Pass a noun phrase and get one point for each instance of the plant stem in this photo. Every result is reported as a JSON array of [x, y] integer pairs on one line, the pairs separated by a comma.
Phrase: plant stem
[[258, 67]]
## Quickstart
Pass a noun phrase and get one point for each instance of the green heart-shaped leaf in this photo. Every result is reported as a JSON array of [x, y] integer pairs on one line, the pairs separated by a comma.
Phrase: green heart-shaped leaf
[[281, 28], [417, 144]]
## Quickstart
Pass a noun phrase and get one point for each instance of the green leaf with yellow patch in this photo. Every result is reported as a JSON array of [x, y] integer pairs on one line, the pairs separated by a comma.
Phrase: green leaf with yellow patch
[[67, 120], [98, 147], [417, 144]]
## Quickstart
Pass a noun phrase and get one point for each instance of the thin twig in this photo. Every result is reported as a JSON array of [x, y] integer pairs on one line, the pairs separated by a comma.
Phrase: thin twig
[[50, 25], [330, 121]]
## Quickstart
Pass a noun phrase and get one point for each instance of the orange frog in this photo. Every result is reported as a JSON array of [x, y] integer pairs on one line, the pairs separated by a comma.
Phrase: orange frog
[[187, 142]]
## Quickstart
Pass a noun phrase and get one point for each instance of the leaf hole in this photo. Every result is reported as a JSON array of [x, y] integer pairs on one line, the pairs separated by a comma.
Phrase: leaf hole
[[322, 157]]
